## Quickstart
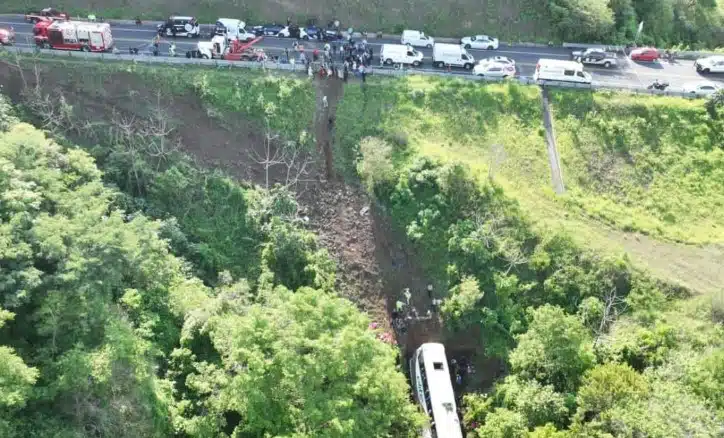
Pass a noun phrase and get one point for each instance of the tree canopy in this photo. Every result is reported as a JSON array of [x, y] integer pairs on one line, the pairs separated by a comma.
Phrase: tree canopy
[[105, 332]]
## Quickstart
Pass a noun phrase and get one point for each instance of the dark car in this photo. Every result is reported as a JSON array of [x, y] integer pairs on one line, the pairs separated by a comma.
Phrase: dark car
[[317, 33], [180, 26], [267, 29]]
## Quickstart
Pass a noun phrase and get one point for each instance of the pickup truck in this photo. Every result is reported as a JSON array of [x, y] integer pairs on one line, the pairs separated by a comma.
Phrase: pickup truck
[[595, 57], [45, 14]]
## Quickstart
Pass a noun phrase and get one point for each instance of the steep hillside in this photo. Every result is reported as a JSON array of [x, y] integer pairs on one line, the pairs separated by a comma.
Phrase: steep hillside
[[642, 165]]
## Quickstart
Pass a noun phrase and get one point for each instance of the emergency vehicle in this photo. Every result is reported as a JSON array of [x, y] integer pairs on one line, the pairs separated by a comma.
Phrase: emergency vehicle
[[73, 35], [220, 48]]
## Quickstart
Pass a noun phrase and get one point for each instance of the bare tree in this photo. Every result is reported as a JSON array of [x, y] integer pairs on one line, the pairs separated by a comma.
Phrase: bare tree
[[513, 254], [289, 155], [613, 307]]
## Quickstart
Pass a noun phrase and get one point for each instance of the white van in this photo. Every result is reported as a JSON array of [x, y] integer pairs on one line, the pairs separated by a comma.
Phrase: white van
[[398, 54], [564, 71], [453, 55], [233, 29], [416, 38]]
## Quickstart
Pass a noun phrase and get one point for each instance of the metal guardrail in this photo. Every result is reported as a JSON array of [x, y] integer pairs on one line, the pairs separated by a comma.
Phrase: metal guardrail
[[298, 68]]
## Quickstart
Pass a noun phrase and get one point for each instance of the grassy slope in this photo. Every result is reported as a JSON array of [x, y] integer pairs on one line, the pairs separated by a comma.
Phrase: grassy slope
[[211, 211], [630, 163], [646, 164], [520, 19]]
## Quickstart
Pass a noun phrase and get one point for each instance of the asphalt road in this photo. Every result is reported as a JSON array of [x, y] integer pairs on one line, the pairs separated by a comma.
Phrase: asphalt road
[[626, 74]]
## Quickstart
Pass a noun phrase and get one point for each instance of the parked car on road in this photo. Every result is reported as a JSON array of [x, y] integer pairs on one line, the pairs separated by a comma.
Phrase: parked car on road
[[317, 33], [711, 64], [648, 54], [482, 42], [701, 88], [268, 29], [179, 26], [415, 38], [562, 71], [501, 60], [595, 57], [293, 31], [391, 54], [44, 14], [452, 55], [7, 36], [490, 68], [233, 29]]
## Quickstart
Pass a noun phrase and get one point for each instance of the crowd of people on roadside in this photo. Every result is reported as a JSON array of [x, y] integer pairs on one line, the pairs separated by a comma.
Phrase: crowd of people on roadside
[[334, 60]]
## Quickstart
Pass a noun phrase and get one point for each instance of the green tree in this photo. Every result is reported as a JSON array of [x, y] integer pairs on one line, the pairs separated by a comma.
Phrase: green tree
[[670, 410], [555, 350], [548, 431], [607, 386], [581, 20], [503, 423], [461, 309], [715, 103], [537, 403], [300, 364], [16, 378], [95, 295]]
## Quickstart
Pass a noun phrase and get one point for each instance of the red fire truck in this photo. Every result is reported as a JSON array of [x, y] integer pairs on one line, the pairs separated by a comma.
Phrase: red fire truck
[[73, 35]]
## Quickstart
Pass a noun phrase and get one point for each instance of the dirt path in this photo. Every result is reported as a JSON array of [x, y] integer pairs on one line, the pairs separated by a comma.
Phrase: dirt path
[[553, 158], [698, 269]]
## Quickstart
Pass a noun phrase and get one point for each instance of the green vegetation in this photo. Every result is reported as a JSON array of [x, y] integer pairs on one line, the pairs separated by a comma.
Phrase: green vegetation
[[150, 296], [666, 22], [594, 346], [106, 332], [211, 219], [647, 164]]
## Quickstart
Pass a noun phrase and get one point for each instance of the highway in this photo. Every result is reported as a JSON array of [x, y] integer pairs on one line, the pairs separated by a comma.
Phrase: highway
[[626, 74]]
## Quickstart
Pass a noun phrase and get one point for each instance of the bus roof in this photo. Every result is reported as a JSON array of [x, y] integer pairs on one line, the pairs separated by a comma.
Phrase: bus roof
[[442, 396]]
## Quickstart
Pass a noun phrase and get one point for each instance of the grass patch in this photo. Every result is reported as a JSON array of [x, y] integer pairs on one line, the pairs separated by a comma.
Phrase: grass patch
[[648, 164], [257, 95], [637, 163]]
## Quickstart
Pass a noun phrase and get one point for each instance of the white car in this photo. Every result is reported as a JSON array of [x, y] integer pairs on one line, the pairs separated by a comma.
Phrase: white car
[[501, 60], [711, 64], [483, 42], [286, 33], [492, 69], [701, 88]]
